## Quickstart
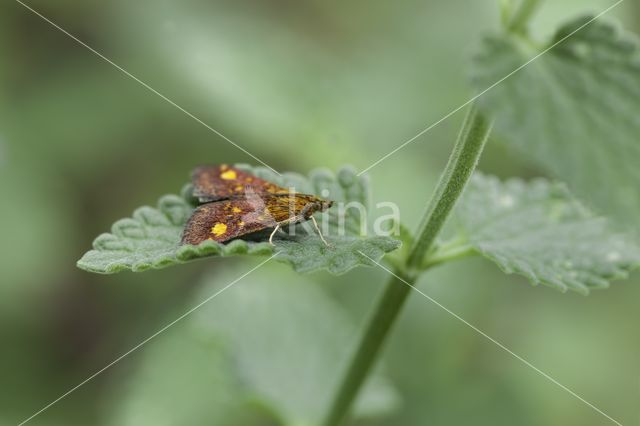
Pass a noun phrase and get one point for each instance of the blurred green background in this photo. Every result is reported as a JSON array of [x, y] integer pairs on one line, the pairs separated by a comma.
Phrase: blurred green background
[[300, 85]]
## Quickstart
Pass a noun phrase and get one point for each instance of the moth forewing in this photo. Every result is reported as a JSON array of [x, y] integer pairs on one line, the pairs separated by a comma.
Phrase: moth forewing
[[220, 182], [224, 220]]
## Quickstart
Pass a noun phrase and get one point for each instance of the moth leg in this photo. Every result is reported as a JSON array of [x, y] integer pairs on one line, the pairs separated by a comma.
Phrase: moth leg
[[273, 233], [293, 219], [313, 219]]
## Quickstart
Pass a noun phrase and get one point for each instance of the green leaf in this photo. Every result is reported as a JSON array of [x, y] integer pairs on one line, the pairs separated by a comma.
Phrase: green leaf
[[397, 258], [184, 379], [309, 253], [150, 239], [289, 341], [539, 230], [267, 354], [575, 109]]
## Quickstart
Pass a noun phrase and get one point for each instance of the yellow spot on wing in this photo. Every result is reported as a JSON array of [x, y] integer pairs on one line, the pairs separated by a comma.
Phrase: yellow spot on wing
[[228, 175], [236, 210], [241, 224], [219, 229]]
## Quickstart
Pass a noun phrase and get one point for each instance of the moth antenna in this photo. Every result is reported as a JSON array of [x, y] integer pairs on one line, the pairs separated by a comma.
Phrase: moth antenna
[[313, 219]]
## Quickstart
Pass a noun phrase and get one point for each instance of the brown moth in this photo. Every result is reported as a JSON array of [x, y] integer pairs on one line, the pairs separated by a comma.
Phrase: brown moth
[[237, 203]]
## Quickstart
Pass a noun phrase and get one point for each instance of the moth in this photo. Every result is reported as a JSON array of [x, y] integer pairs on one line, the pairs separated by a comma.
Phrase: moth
[[236, 204]]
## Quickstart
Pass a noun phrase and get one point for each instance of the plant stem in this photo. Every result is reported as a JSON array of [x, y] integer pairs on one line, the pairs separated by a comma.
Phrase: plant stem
[[462, 162], [460, 166], [506, 7], [372, 338], [448, 256], [522, 15]]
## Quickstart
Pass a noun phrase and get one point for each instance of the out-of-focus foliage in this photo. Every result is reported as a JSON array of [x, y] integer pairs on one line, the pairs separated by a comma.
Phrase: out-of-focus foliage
[[300, 85], [574, 110], [315, 335], [155, 395], [245, 370]]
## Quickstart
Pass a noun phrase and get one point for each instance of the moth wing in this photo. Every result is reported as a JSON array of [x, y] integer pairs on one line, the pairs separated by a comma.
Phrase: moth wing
[[225, 220], [220, 182]]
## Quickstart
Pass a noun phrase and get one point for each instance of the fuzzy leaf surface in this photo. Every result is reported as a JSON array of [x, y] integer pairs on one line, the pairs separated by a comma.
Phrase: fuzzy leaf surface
[[575, 110], [538, 230]]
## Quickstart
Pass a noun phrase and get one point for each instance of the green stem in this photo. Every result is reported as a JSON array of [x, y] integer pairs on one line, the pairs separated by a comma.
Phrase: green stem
[[372, 338], [449, 255], [521, 17], [506, 7], [462, 162]]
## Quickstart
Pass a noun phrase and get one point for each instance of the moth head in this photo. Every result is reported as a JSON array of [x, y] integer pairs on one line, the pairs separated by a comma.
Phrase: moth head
[[325, 205], [316, 205]]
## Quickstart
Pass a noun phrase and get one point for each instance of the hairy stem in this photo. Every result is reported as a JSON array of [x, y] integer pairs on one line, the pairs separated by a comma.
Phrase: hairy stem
[[462, 163], [460, 166]]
